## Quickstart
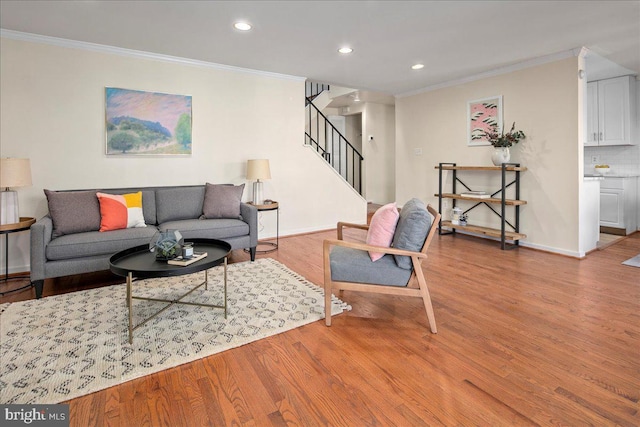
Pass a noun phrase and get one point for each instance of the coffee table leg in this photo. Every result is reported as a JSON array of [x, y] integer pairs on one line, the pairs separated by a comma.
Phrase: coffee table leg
[[225, 287], [130, 305]]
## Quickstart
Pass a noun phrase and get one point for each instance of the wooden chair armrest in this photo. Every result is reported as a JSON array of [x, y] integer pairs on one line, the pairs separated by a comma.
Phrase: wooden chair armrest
[[364, 247], [342, 225]]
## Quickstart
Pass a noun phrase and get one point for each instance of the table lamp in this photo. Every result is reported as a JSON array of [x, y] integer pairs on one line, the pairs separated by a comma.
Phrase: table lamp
[[13, 173], [258, 169]]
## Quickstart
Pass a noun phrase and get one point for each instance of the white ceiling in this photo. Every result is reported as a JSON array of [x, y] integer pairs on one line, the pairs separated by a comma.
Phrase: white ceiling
[[454, 39]]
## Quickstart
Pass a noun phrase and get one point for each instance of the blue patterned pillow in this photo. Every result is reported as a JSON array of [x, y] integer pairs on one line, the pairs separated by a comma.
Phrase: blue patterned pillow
[[411, 231]]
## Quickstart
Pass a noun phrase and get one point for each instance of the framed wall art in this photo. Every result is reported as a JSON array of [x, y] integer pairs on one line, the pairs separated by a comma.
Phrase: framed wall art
[[147, 123], [482, 115]]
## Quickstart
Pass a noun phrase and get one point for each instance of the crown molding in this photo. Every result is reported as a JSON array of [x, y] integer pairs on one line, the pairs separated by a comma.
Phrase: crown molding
[[100, 48], [499, 71]]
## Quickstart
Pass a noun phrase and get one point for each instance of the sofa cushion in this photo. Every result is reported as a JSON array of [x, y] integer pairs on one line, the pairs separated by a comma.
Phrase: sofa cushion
[[208, 228], [354, 265], [179, 203], [382, 227], [411, 231], [73, 211], [148, 202], [222, 201], [119, 211], [81, 245]]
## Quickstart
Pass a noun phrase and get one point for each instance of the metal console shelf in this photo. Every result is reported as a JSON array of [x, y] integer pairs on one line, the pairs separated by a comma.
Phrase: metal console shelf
[[496, 198]]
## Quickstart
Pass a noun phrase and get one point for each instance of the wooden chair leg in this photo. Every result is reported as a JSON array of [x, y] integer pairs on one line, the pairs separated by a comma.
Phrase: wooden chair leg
[[426, 298], [327, 304], [327, 285]]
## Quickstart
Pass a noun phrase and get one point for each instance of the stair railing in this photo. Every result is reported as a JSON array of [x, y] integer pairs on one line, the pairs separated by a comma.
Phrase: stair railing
[[311, 90], [327, 140]]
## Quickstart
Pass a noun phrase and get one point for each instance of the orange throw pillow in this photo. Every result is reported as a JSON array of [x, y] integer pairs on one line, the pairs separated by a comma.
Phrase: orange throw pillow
[[120, 211]]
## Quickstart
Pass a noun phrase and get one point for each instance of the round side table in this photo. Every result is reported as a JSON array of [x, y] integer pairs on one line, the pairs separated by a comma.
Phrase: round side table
[[273, 206], [6, 229]]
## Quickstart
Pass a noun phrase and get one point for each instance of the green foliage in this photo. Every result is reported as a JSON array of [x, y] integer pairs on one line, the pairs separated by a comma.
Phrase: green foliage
[[123, 141], [183, 130], [501, 139], [131, 135], [169, 149]]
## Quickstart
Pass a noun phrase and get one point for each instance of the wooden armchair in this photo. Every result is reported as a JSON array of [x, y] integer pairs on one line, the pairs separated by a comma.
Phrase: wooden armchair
[[347, 265]]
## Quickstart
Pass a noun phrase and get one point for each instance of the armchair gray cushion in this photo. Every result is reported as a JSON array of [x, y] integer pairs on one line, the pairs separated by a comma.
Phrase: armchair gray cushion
[[411, 231], [354, 265]]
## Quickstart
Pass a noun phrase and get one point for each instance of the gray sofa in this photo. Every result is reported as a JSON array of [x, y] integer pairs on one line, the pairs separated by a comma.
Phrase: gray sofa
[[178, 207]]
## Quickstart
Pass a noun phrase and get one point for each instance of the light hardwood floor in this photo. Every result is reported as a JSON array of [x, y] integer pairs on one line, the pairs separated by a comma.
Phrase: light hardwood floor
[[524, 338]]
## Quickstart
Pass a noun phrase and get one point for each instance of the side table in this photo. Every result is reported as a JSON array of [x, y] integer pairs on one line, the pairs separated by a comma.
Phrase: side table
[[6, 229], [273, 206]]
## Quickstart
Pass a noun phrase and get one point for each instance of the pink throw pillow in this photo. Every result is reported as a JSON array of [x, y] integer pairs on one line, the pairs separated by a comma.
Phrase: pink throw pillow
[[382, 228]]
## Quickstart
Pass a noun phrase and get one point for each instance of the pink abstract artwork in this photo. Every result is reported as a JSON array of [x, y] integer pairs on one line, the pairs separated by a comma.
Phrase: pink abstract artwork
[[483, 114]]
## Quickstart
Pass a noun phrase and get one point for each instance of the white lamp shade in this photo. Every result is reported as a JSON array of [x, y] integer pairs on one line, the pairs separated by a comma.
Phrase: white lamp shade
[[15, 172], [258, 169]]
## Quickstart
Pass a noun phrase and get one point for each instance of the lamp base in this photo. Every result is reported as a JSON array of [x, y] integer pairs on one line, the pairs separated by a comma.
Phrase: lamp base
[[258, 197], [9, 207]]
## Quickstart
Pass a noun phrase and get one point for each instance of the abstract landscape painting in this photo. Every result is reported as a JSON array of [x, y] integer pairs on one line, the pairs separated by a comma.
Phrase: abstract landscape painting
[[482, 115], [147, 123]]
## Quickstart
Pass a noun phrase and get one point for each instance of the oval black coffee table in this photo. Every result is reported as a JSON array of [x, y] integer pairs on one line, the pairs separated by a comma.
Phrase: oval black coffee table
[[138, 263]]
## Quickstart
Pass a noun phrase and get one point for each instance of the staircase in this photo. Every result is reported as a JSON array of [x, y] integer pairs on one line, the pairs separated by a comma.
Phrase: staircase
[[323, 136]]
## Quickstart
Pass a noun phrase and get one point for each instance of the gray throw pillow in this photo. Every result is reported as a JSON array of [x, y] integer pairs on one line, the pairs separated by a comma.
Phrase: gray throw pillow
[[73, 211], [411, 231], [222, 201]]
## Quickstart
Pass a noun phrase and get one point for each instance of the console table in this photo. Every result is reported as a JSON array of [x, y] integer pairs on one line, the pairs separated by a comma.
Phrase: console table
[[497, 197]]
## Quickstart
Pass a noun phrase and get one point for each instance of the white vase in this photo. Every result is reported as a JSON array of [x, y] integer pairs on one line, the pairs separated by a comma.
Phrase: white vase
[[500, 155]]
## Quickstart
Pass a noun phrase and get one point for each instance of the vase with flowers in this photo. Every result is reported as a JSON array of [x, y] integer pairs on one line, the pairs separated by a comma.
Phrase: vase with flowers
[[501, 142]]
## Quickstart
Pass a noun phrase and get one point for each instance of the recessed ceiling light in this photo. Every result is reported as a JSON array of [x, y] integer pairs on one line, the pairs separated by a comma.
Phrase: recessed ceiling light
[[417, 66], [345, 50], [242, 26]]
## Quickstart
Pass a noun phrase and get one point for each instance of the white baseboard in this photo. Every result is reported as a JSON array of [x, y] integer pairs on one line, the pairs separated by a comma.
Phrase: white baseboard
[[553, 250], [530, 245]]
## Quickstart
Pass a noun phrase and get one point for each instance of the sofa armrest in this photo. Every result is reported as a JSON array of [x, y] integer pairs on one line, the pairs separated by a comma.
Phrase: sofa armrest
[[250, 216], [41, 232]]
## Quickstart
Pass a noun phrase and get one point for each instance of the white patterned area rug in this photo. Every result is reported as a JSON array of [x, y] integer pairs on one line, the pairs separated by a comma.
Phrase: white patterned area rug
[[61, 347], [633, 262]]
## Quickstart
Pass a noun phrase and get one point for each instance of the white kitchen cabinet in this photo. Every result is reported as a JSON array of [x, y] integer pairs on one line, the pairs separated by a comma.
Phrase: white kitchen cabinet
[[592, 114], [611, 112], [618, 205]]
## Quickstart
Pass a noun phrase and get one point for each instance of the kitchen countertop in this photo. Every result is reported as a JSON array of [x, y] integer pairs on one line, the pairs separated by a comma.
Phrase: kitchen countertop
[[611, 175]]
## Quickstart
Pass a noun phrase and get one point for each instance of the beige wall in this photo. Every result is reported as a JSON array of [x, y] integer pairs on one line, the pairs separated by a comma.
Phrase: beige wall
[[52, 111], [379, 121], [543, 101], [379, 153]]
